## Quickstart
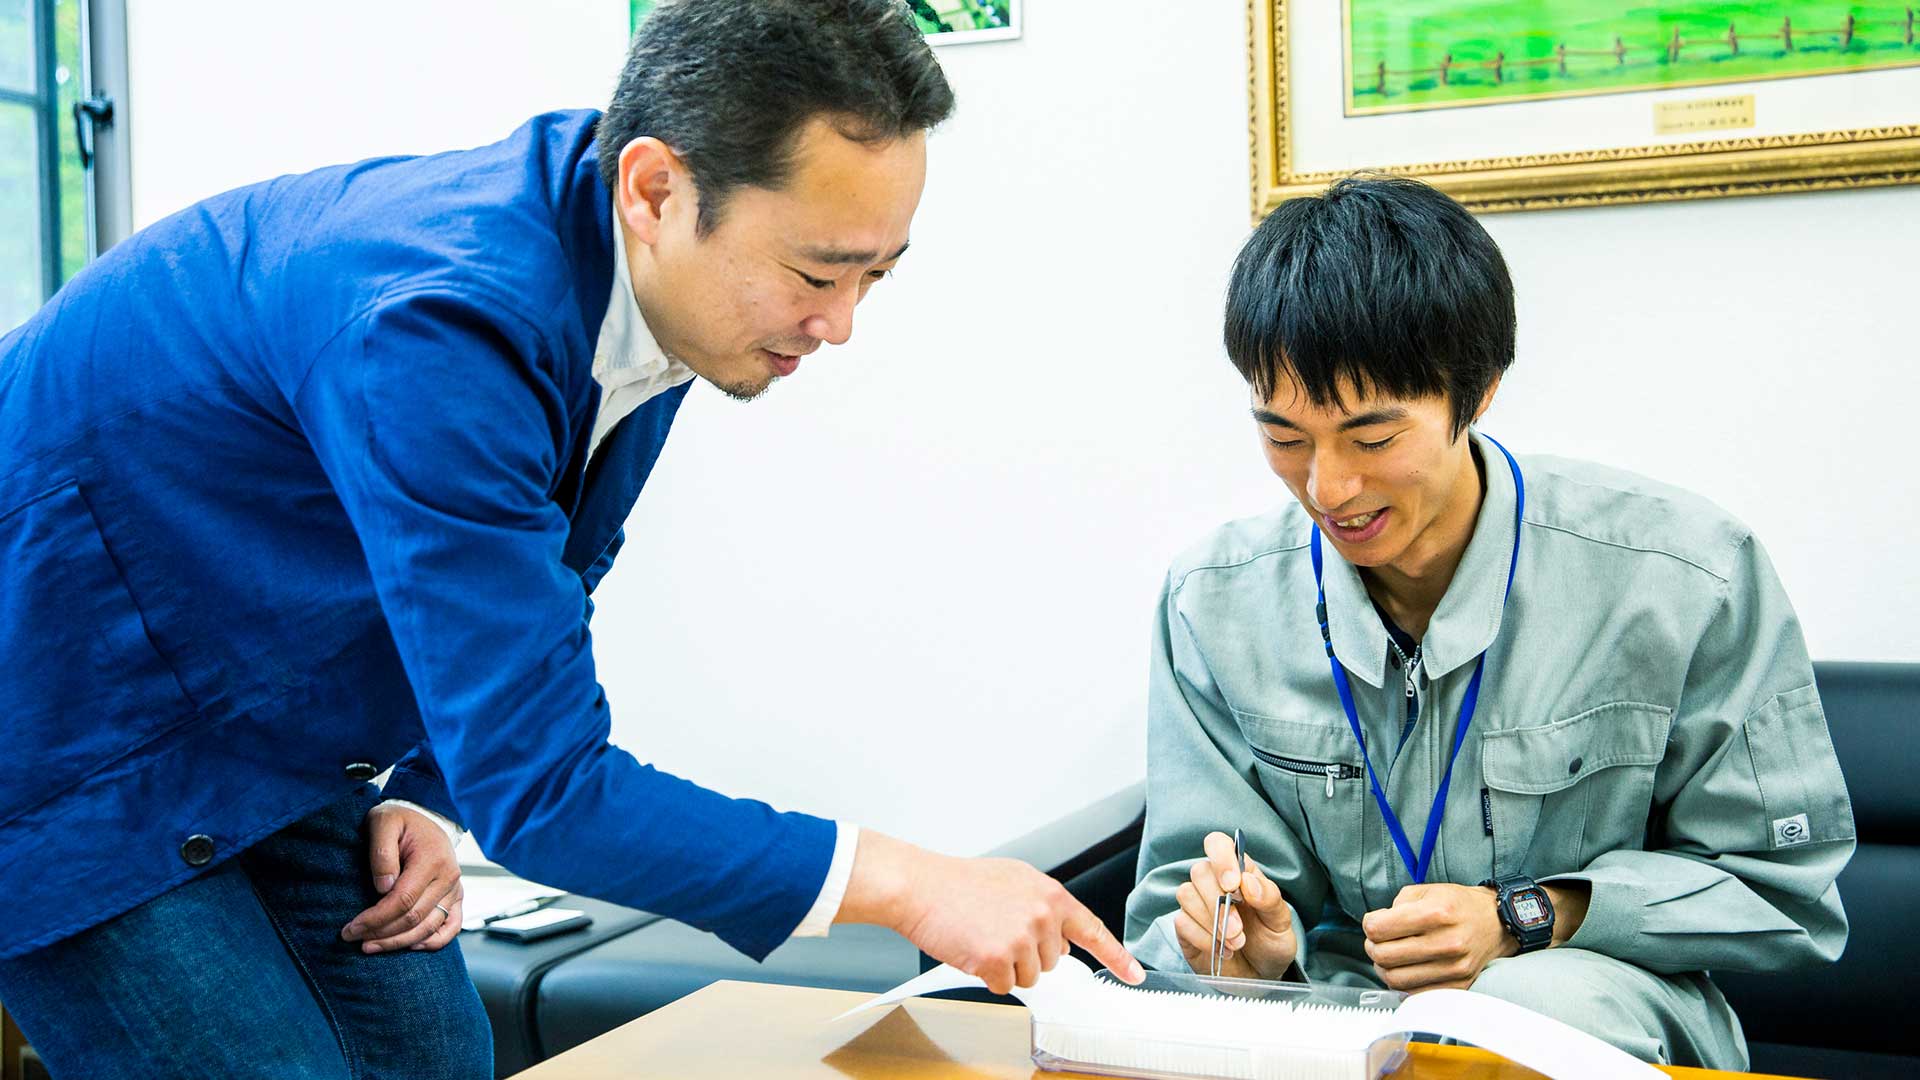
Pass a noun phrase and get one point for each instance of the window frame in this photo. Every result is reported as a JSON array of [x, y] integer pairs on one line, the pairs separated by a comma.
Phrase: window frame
[[102, 74], [41, 99]]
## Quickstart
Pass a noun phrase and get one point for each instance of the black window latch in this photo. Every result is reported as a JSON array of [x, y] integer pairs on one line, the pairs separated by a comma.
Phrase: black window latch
[[89, 114]]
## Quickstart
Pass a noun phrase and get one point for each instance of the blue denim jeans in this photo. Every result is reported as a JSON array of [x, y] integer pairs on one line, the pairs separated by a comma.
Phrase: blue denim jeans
[[241, 973]]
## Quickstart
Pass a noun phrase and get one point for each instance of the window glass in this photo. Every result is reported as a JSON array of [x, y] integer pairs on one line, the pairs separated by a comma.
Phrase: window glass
[[16, 46], [20, 265], [74, 211]]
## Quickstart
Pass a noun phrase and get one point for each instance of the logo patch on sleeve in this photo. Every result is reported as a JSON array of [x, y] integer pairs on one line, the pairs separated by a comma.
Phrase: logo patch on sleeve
[[1788, 831]]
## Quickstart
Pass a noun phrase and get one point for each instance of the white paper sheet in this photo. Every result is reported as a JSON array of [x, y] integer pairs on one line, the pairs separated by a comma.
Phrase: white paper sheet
[[944, 977], [1070, 992], [1519, 1034], [489, 894]]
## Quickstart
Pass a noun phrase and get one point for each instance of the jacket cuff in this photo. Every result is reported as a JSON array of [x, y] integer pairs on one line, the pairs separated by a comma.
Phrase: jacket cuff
[[794, 882], [416, 779], [451, 828], [826, 906], [1616, 914]]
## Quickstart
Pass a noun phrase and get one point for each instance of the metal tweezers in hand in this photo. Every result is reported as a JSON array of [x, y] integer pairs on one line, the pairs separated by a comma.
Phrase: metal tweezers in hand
[[1220, 906]]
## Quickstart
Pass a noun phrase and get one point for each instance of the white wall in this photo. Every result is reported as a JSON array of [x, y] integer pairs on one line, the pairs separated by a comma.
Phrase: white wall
[[1761, 351], [912, 586], [227, 92]]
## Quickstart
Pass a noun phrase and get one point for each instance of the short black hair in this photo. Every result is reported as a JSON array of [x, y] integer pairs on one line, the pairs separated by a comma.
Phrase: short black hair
[[1382, 282], [730, 83]]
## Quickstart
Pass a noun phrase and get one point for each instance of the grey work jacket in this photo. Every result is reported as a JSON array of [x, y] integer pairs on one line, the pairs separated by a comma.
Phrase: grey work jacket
[[1647, 723]]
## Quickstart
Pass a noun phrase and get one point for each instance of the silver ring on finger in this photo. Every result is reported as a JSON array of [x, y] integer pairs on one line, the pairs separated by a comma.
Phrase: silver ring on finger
[[444, 911]]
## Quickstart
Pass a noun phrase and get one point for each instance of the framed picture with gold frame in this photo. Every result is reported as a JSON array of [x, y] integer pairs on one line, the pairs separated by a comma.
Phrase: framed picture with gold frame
[[944, 22], [1533, 104], [959, 22]]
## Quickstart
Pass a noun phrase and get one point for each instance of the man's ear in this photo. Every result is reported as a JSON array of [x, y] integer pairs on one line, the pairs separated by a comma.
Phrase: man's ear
[[651, 175], [1486, 399]]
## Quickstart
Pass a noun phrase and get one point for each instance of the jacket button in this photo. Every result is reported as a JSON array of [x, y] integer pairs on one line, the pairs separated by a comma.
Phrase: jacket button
[[362, 770], [1573, 767], [198, 850]]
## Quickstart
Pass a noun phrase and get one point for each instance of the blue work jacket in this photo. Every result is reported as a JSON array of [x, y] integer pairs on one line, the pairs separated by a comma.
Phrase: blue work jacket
[[293, 487]]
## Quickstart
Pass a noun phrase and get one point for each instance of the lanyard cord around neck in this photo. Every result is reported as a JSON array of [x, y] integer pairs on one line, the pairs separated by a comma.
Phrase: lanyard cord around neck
[[1417, 867]]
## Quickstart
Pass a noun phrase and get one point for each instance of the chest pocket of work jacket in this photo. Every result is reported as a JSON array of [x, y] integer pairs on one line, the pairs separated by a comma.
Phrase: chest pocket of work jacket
[[1561, 794], [1311, 776], [83, 684]]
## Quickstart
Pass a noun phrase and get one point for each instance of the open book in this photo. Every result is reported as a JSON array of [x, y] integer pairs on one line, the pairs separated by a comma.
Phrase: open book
[[1179, 1026]]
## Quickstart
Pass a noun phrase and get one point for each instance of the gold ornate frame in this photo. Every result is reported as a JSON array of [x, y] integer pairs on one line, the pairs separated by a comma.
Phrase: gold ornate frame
[[1697, 170]]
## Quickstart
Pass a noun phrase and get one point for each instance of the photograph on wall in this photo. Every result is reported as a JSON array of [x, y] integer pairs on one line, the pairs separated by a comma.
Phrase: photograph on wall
[[1535, 104], [1427, 54], [956, 22], [945, 22]]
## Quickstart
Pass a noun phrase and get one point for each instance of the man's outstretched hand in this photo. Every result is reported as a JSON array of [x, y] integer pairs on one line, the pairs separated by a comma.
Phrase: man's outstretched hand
[[998, 919]]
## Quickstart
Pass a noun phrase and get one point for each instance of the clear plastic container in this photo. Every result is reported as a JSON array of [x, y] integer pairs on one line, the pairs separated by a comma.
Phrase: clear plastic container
[[1066, 1047]]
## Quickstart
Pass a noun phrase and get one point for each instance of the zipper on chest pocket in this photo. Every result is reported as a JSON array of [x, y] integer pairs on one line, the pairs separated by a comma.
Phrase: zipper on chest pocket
[[1332, 770]]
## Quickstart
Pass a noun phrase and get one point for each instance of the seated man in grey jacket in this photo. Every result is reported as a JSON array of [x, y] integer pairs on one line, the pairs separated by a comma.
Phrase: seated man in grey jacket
[[1530, 726]]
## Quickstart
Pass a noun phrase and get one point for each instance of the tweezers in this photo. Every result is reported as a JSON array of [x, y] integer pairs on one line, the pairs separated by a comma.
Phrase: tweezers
[[1220, 907]]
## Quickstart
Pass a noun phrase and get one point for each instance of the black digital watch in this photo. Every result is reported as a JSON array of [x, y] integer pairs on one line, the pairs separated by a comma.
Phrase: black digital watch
[[1525, 910]]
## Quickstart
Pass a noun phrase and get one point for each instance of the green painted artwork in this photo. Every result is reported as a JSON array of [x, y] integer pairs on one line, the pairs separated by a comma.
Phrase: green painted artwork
[[962, 16], [934, 16], [1404, 55]]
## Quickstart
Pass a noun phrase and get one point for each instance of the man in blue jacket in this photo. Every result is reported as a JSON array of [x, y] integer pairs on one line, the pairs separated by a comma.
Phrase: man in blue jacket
[[316, 477]]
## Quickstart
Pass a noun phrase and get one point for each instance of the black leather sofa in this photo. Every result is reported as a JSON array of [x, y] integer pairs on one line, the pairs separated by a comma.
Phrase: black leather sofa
[[509, 976], [1845, 1020]]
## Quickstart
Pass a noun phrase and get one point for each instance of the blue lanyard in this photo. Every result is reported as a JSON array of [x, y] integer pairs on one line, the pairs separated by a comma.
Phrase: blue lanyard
[[1417, 868]]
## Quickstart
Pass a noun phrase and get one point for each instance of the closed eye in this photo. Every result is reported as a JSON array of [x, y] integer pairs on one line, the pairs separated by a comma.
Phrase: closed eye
[[1381, 445], [818, 283], [1284, 444]]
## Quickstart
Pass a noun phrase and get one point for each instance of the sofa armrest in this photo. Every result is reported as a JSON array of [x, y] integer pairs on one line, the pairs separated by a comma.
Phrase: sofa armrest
[[1091, 851], [508, 974], [1084, 838]]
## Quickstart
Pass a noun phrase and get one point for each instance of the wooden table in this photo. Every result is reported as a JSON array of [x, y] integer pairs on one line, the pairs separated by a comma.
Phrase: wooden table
[[739, 1029]]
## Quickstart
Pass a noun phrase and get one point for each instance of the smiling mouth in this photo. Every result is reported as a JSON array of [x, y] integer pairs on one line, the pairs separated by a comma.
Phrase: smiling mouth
[[1357, 528]]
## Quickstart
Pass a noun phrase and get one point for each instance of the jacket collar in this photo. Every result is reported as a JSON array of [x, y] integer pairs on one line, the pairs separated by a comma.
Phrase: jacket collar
[[1468, 618], [627, 358], [584, 211]]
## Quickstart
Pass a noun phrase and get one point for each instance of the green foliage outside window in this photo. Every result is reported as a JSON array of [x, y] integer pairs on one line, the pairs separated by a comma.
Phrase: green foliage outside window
[[73, 175], [24, 206]]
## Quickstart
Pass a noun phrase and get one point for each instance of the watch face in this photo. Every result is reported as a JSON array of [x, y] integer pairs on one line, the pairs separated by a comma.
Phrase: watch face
[[1529, 908]]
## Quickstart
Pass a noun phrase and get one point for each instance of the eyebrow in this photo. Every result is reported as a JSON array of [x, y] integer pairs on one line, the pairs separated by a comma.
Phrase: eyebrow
[[1366, 419], [844, 257]]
